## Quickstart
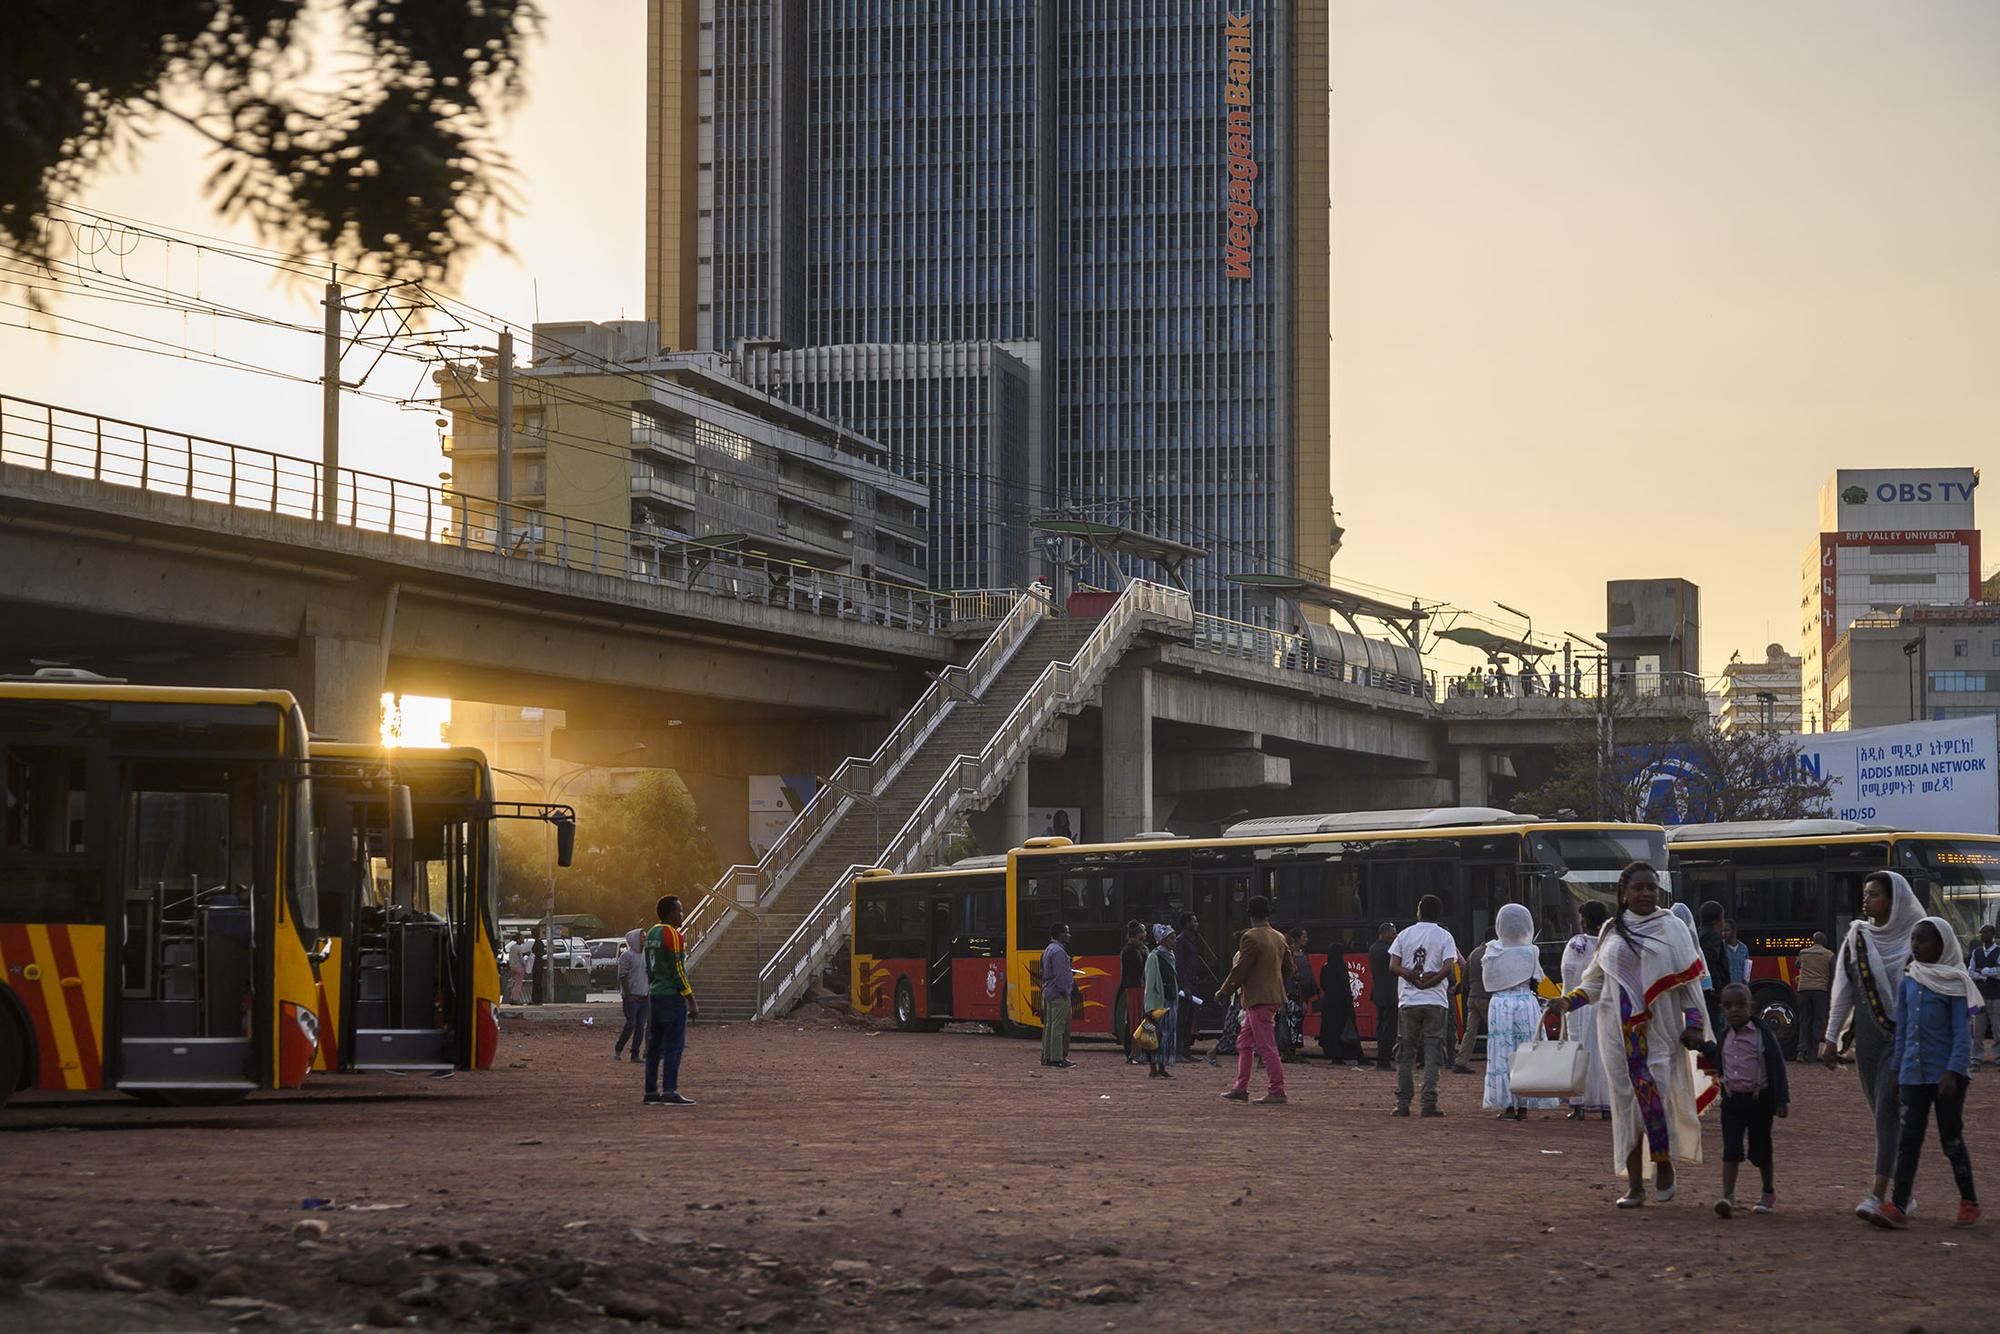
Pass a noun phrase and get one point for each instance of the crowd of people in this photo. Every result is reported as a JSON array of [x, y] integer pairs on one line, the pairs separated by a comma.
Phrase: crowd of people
[[1657, 999]]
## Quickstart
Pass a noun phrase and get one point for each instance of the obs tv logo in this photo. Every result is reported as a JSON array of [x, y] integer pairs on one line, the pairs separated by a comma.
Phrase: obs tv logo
[[1855, 495]]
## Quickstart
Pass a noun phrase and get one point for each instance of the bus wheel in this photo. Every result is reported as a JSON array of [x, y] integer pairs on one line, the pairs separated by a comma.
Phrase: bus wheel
[[1776, 1007], [906, 1008], [12, 1054]]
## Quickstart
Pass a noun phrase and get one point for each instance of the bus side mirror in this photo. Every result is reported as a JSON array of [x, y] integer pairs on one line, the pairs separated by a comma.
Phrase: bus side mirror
[[402, 819], [565, 842]]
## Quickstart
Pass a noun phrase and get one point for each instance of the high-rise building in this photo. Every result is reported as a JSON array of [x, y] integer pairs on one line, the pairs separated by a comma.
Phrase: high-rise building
[[1887, 537], [1117, 211], [1914, 663], [1761, 696]]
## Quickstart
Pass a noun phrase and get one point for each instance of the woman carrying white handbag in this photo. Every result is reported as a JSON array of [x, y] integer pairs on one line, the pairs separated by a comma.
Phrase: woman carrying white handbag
[[1646, 985], [1511, 967]]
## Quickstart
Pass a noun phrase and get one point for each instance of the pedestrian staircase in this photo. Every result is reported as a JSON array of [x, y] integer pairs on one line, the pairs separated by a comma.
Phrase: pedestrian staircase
[[764, 931]]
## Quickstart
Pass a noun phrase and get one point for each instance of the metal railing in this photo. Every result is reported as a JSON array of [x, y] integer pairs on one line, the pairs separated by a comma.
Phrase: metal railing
[[973, 606], [1294, 653], [134, 456], [765, 880], [1583, 685], [969, 780]]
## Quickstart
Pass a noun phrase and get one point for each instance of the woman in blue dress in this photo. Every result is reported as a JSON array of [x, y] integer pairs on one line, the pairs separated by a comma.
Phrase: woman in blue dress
[[1512, 966]]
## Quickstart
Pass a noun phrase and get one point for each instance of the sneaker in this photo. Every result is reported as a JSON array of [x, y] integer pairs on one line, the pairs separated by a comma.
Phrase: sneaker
[[1432, 1111], [1065, 1065], [1400, 1111], [1236, 1095], [676, 1100], [1277, 1098], [1725, 1208], [1865, 1211], [1889, 1216], [1461, 1069], [1768, 1204], [652, 1098], [1968, 1214]]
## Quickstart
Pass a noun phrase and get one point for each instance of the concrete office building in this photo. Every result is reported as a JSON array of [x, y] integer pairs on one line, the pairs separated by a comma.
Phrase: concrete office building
[[1652, 635], [1888, 537], [674, 446], [1761, 696], [1911, 663], [1130, 203]]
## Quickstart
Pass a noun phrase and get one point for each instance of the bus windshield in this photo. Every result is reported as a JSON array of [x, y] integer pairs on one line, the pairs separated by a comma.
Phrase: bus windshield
[[1588, 860], [1966, 889]]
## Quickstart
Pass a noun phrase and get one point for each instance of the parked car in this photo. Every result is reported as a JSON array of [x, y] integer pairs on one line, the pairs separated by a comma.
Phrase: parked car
[[604, 963]]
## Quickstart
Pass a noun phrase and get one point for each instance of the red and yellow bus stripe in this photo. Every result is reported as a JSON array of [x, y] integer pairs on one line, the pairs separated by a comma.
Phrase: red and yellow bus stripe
[[56, 971]]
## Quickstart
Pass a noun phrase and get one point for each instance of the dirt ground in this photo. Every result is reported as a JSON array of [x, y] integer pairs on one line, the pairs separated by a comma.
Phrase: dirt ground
[[835, 1174]]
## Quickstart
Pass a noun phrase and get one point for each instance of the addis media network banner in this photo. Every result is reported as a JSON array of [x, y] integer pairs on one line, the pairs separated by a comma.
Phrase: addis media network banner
[[1938, 776]]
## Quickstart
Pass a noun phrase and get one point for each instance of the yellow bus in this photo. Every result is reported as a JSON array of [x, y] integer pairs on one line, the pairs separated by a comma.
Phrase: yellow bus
[[927, 946], [157, 899], [1782, 880], [1339, 876], [409, 900]]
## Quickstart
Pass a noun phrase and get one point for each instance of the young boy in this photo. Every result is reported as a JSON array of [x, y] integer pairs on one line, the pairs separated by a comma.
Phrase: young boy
[[1754, 1090]]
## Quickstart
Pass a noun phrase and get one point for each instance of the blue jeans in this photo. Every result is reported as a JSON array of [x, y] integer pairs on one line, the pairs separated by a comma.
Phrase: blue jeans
[[666, 1038], [636, 1020]]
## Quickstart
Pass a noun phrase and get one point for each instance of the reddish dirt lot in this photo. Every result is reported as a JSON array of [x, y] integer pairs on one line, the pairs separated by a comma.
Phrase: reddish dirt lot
[[834, 1174]]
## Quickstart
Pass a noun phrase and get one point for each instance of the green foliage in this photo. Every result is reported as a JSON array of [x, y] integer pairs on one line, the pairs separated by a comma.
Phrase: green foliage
[[630, 849], [388, 161]]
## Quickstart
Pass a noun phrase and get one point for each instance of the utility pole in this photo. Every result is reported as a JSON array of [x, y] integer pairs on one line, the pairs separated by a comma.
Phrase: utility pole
[[505, 455], [329, 483]]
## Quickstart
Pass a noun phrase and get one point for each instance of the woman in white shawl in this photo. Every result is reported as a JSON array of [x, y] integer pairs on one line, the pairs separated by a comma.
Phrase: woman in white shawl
[[1645, 984], [1867, 980], [1510, 967], [1580, 1026]]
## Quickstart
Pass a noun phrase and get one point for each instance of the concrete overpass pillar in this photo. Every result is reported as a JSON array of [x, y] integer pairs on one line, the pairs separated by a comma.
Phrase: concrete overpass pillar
[[1128, 751], [342, 694], [1014, 818], [1472, 781]]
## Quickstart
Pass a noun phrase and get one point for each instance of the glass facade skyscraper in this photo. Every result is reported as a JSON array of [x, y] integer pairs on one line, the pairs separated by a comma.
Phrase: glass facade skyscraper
[[1131, 197]]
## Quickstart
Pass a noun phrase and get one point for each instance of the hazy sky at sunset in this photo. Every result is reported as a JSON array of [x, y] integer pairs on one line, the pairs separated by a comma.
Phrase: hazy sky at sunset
[[1615, 286]]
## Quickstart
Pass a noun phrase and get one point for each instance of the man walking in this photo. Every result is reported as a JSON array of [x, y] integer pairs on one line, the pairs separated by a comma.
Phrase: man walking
[[672, 1004], [1475, 1006], [1058, 989], [1737, 952], [1421, 956], [636, 993], [1815, 984], [1259, 973], [517, 970], [1382, 995], [1985, 968], [1131, 987], [1186, 961], [1714, 958]]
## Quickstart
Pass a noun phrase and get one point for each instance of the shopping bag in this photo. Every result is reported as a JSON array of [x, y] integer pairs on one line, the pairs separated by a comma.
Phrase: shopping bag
[[1146, 1037]]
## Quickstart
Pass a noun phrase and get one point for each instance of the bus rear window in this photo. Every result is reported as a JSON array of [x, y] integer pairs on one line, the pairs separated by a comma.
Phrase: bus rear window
[[1602, 849]]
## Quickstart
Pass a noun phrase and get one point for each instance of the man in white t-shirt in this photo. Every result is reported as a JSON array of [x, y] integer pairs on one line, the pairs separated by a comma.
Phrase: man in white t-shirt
[[1421, 957]]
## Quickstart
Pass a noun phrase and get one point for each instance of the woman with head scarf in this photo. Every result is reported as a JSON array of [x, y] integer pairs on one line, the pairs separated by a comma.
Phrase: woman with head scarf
[[1580, 1026], [1933, 1063], [1644, 984], [1867, 987], [1682, 911], [1510, 966], [1162, 993]]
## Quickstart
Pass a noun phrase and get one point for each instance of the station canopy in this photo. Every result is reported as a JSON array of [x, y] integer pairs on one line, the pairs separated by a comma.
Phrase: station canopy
[[1492, 645], [1110, 541], [1348, 605]]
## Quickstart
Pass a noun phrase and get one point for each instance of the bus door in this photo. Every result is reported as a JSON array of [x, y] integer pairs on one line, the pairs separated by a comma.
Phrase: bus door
[[403, 978], [1221, 899], [938, 978], [198, 847]]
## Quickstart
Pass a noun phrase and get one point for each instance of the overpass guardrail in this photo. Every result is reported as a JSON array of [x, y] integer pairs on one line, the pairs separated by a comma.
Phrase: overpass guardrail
[[131, 455]]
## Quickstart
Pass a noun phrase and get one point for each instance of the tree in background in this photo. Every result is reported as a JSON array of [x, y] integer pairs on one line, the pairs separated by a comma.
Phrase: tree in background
[[630, 849], [387, 160], [1675, 772]]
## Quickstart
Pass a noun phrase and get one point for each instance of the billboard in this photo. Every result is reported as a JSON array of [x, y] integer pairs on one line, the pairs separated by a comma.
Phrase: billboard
[[1937, 776], [775, 800]]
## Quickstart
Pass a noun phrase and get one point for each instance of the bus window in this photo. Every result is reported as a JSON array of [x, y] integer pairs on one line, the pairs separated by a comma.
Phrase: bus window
[[43, 847], [1777, 899], [1343, 896], [1487, 890], [1091, 911]]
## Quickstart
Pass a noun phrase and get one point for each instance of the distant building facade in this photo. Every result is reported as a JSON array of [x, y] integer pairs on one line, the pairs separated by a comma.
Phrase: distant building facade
[[1888, 537], [1652, 635], [1762, 696], [1912, 663]]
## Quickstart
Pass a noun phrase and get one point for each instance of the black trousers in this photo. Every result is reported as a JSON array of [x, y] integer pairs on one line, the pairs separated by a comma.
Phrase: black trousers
[[1918, 1100], [1131, 1002], [1385, 1035], [1184, 1030]]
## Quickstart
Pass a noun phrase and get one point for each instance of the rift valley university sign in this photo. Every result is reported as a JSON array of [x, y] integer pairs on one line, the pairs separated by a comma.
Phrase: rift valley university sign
[[1242, 212]]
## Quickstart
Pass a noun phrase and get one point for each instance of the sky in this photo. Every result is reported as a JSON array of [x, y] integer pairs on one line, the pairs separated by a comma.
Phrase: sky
[[1615, 287]]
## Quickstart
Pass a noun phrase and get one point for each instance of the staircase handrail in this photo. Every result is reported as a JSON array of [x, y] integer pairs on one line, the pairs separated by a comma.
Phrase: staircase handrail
[[871, 775], [966, 777]]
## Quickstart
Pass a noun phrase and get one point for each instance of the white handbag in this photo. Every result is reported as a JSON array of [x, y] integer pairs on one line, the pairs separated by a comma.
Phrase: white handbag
[[1547, 1069]]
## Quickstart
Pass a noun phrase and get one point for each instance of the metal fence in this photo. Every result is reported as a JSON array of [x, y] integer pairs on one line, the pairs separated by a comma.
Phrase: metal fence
[[1294, 653], [132, 455]]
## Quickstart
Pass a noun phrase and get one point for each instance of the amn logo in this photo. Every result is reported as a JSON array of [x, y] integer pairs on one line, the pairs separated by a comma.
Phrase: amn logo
[[1855, 495]]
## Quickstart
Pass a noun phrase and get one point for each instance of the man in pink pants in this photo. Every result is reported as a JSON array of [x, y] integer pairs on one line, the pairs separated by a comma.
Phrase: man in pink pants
[[1259, 974]]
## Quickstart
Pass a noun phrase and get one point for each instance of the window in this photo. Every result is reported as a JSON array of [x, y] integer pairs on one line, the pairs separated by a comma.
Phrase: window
[[1784, 899], [42, 799], [1961, 648]]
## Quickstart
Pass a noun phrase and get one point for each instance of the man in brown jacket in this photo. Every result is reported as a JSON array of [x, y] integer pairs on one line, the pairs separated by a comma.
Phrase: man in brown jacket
[[1815, 979], [1259, 973]]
